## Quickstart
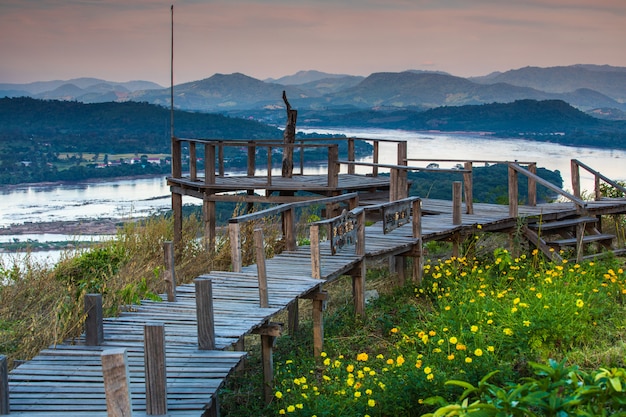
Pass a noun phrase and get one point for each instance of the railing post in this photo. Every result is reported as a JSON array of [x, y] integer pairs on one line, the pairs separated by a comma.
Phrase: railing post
[[210, 223], [209, 163], [155, 369], [4, 386], [333, 166], [575, 173], [220, 158], [235, 246], [204, 313], [177, 163], [598, 191], [402, 182], [468, 181], [169, 275], [116, 382], [360, 234], [251, 158], [177, 213], [351, 167], [269, 166], [316, 270], [456, 202], [94, 329], [532, 185], [259, 249], [375, 158], [289, 229], [193, 160], [513, 192]]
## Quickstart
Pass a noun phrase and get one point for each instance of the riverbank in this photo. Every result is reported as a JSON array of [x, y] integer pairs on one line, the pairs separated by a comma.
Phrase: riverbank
[[82, 227]]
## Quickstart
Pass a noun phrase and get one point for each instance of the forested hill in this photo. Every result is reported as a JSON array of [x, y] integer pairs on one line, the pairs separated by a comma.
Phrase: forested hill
[[548, 120], [130, 127]]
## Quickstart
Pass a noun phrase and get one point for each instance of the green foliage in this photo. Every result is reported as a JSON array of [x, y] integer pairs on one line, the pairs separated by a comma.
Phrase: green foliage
[[555, 390]]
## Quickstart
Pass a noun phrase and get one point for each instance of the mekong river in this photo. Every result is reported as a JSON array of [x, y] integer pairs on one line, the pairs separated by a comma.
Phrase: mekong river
[[136, 198]]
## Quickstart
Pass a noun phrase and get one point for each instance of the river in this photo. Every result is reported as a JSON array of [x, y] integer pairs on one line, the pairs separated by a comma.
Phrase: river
[[136, 198]]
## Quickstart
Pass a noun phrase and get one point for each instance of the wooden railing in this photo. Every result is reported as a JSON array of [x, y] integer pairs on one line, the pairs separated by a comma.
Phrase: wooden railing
[[287, 212], [515, 169], [575, 168], [214, 151]]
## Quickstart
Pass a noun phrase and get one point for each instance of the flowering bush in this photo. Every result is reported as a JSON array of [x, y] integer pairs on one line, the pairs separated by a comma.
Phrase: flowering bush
[[468, 318]]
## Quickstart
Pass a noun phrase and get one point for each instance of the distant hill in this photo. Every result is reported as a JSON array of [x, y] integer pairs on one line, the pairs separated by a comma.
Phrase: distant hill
[[586, 87], [607, 80]]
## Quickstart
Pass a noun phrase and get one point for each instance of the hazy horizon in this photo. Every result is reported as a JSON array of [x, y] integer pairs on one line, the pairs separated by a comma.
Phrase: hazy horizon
[[120, 41]]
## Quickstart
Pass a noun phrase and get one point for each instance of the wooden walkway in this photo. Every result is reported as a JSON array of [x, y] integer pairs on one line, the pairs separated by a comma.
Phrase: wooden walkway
[[67, 379]]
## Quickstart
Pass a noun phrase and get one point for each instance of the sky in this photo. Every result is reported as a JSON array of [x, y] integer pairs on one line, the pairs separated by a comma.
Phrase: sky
[[124, 40]]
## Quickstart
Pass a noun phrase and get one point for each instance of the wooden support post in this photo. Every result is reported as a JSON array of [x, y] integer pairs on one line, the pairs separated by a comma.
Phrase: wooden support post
[[293, 317], [116, 383], [193, 162], [94, 328], [318, 323], [169, 275], [155, 369], [204, 313], [268, 333], [177, 213], [456, 245], [468, 181], [235, 246], [360, 234], [289, 229], [4, 386], [210, 225], [575, 177], [532, 185], [418, 250], [214, 407], [289, 138], [316, 268], [351, 168], [251, 158], [358, 289], [456, 202], [580, 235], [400, 269], [597, 189], [259, 249], [513, 192]]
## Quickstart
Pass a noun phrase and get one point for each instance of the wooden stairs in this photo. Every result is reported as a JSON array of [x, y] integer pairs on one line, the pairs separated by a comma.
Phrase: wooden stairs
[[580, 233]]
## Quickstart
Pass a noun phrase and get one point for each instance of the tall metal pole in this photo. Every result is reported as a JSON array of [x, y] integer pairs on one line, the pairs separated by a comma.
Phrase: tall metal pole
[[172, 76]]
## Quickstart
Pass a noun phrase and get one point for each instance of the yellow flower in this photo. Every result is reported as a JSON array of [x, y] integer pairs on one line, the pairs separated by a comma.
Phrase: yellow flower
[[278, 395], [327, 361], [580, 303], [362, 357], [357, 394], [526, 323], [281, 411], [418, 364], [453, 340], [368, 391], [451, 357], [539, 295], [490, 348], [432, 333], [427, 370], [474, 329], [323, 354], [371, 403], [508, 332], [468, 360], [478, 352], [400, 360], [430, 377], [299, 406], [291, 409], [350, 368]]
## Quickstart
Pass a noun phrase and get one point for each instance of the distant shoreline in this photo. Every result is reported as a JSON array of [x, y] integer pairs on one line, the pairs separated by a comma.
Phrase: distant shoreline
[[104, 226], [86, 181]]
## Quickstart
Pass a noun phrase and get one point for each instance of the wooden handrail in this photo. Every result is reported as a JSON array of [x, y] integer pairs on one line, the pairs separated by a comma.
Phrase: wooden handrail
[[515, 168], [575, 164]]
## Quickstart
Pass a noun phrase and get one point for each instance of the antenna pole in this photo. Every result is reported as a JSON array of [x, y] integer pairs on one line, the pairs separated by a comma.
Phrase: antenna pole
[[172, 77]]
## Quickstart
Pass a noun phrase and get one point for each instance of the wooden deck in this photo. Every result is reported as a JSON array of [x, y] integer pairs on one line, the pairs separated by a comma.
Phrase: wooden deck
[[67, 379]]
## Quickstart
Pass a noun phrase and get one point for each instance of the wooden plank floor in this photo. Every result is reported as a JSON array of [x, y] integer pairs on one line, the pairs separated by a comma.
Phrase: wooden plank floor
[[67, 379]]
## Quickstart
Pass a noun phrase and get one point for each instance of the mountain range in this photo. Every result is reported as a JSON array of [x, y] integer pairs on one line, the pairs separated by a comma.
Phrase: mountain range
[[599, 90]]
